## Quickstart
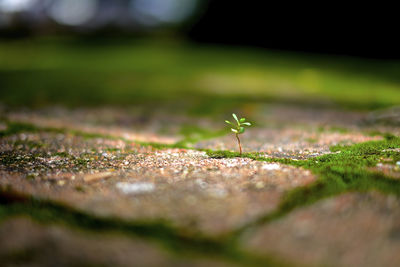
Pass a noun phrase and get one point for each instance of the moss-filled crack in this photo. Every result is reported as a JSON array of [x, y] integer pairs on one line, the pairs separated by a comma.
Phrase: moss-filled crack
[[191, 135], [176, 240], [345, 170]]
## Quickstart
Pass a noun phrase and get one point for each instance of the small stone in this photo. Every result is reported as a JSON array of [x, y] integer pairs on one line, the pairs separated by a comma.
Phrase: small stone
[[201, 183], [97, 176], [217, 192], [271, 166], [260, 185], [135, 188]]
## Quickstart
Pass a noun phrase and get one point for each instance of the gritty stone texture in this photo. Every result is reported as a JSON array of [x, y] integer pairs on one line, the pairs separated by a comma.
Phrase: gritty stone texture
[[354, 229], [389, 170], [114, 176], [187, 187], [300, 132], [288, 142], [114, 122]]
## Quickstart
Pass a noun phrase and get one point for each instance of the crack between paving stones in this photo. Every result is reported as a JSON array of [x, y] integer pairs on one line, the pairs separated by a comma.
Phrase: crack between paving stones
[[13, 203], [332, 180]]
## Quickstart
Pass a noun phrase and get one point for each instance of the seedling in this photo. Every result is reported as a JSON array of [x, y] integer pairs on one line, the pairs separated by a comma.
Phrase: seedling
[[238, 128]]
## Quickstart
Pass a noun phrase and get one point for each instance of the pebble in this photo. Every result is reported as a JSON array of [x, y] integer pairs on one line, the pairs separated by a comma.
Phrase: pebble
[[201, 183], [260, 185], [271, 167], [97, 176], [217, 192], [135, 188]]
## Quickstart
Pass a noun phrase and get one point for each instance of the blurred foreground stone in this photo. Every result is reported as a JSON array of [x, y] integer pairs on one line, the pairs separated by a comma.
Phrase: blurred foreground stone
[[353, 229]]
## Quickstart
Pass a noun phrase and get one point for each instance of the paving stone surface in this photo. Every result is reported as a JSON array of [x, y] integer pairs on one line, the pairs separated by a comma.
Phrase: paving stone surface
[[99, 162], [187, 187], [353, 229], [32, 244]]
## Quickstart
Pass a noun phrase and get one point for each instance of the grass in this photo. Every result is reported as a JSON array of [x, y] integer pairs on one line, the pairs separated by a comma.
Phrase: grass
[[186, 77]]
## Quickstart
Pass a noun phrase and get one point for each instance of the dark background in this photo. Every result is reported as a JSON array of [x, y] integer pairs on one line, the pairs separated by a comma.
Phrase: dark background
[[356, 30], [366, 31]]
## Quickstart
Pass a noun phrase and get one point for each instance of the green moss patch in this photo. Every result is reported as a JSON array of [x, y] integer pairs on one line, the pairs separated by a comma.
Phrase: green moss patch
[[344, 170]]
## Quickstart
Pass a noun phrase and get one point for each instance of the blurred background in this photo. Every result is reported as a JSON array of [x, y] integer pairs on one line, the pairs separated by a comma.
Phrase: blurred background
[[213, 54]]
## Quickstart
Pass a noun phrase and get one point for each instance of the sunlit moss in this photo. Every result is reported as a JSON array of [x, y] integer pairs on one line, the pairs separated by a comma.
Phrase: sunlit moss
[[208, 79], [344, 170]]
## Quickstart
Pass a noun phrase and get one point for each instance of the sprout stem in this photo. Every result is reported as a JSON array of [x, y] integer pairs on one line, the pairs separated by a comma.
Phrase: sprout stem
[[240, 146]]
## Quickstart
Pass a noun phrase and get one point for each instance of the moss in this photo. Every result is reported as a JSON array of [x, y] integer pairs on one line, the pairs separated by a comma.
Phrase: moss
[[20, 257], [80, 188], [81, 162], [345, 170], [29, 144], [193, 134], [22, 127], [12, 158], [218, 154], [311, 140], [62, 154], [160, 145], [112, 149], [16, 127], [64, 73], [87, 135], [333, 129]]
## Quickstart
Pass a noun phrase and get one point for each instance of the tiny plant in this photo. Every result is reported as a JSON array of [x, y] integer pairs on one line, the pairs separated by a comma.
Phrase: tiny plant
[[238, 128]]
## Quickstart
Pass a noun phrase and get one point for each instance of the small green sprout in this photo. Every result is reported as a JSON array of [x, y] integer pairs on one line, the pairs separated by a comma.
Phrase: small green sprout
[[238, 128]]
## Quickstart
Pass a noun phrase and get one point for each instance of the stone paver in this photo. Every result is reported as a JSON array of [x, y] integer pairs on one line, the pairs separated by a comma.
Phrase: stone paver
[[354, 229], [26, 243], [287, 142], [189, 188], [107, 176]]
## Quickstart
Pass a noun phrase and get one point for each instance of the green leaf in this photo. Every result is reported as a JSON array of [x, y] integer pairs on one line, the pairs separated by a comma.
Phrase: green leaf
[[235, 117], [246, 123], [241, 130], [228, 122], [242, 119], [234, 130]]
